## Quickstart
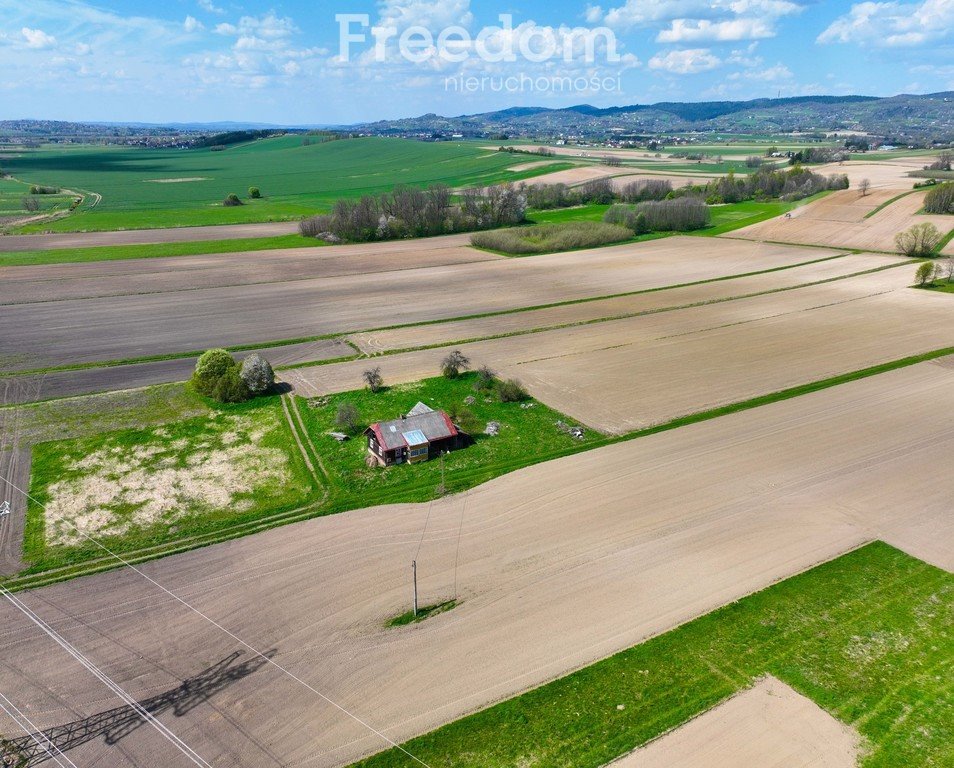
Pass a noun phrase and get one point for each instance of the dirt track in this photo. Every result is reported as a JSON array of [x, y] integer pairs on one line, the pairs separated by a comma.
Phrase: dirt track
[[770, 724], [119, 327], [560, 564]]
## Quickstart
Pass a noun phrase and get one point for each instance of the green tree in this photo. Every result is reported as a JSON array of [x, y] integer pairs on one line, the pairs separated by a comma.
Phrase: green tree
[[926, 273], [254, 192]]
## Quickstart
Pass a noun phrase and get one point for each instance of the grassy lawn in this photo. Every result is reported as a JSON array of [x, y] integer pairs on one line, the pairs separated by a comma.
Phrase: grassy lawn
[[563, 215], [144, 188], [141, 487], [159, 250], [728, 218], [944, 287], [524, 428], [867, 636]]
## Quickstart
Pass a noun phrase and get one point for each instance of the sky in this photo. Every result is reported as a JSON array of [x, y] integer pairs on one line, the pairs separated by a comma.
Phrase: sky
[[337, 62]]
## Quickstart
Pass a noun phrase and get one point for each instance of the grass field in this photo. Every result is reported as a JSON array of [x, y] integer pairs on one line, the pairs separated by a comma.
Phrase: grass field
[[143, 188], [153, 251], [139, 487], [524, 428], [866, 636]]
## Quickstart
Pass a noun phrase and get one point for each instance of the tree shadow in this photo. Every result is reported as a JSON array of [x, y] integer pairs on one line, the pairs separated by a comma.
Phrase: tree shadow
[[116, 724]]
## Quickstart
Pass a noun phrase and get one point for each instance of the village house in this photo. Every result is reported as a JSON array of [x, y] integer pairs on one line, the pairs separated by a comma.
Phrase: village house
[[419, 435]]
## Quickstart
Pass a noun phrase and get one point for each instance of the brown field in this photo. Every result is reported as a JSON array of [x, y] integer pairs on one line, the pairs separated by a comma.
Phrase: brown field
[[626, 374], [560, 564], [838, 220], [375, 342], [246, 303], [770, 724], [892, 174], [145, 236]]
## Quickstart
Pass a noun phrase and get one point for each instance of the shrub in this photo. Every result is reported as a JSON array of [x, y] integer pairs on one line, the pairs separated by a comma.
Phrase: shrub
[[314, 226], [454, 363], [36, 189], [347, 418], [680, 215], [511, 391], [940, 199], [463, 418], [552, 238], [485, 378], [30, 204], [646, 189], [373, 378], [230, 388], [254, 192], [918, 241], [257, 374], [231, 201]]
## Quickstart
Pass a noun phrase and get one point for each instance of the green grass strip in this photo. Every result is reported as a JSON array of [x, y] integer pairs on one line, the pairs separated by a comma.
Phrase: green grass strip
[[886, 203], [153, 250]]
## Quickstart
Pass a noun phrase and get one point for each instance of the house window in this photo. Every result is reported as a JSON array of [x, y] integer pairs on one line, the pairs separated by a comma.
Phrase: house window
[[416, 452]]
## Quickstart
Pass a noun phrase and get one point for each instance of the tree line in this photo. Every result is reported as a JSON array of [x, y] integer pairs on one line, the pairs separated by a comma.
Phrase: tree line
[[407, 212]]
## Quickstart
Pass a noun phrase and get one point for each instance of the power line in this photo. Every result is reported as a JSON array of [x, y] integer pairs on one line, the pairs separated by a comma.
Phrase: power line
[[34, 733], [228, 632]]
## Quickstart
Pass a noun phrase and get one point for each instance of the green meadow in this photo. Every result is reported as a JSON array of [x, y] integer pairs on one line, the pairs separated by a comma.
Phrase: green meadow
[[148, 188]]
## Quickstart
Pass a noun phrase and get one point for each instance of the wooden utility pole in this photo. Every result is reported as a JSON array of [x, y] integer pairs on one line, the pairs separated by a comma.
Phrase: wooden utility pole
[[414, 575]]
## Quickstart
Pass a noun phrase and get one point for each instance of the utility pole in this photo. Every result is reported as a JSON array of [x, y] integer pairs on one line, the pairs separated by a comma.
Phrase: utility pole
[[414, 575]]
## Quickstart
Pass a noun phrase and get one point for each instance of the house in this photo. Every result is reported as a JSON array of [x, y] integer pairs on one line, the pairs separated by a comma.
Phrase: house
[[420, 435]]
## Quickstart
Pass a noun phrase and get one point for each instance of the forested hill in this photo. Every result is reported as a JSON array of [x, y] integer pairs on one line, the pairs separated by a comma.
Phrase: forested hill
[[905, 117]]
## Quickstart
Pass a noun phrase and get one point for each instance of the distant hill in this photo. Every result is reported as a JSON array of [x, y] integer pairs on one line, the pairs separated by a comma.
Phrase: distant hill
[[904, 118]]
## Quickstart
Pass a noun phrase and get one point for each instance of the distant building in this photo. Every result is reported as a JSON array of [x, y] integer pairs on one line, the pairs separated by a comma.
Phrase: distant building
[[420, 435]]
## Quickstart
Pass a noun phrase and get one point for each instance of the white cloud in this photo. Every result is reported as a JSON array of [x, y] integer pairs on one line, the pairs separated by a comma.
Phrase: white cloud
[[687, 61], [37, 38], [192, 24], [226, 29], [82, 49], [206, 5], [695, 30], [892, 24]]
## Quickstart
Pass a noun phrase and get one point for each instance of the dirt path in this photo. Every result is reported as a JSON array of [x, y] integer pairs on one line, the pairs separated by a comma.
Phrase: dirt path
[[560, 564]]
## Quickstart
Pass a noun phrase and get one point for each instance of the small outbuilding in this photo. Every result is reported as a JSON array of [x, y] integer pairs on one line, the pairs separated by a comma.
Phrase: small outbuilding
[[420, 435]]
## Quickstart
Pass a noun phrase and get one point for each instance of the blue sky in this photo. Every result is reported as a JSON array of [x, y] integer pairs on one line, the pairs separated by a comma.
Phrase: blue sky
[[282, 62]]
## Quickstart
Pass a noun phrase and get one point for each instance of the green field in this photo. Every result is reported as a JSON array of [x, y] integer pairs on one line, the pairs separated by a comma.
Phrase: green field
[[137, 488], [143, 188], [867, 636]]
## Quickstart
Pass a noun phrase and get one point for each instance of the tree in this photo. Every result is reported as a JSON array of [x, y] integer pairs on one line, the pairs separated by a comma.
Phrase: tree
[[373, 378], [940, 199], [918, 241], [231, 201], [209, 368], [949, 269], [454, 363], [31, 204], [230, 388], [254, 192], [864, 186], [347, 417], [257, 374], [926, 273]]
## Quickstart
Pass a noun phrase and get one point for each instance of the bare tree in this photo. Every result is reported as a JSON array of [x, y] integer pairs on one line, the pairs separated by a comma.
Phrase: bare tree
[[949, 269], [864, 186], [373, 378], [31, 204], [454, 363], [919, 241]]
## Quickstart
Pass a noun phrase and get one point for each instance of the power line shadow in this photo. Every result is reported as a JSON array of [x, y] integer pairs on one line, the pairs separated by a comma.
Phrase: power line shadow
[[116, 724]]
